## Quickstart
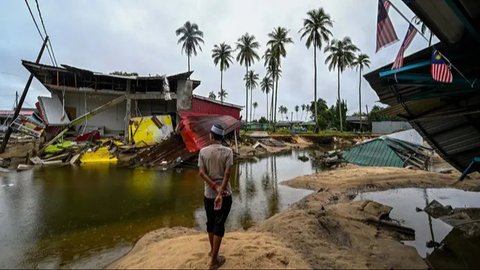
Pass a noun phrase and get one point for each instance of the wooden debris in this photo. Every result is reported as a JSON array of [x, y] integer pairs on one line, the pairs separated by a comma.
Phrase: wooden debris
[[24, 167]]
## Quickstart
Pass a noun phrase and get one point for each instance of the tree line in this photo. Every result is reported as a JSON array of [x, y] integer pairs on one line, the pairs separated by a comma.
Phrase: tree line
[[341, 54]]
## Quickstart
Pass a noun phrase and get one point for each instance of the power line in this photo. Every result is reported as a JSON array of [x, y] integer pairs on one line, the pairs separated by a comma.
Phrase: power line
[[45, 30], [38, 29]]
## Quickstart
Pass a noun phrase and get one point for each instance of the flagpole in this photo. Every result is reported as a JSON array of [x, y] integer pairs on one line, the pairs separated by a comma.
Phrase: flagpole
[[457, 70], [406, 19], [420, 32]]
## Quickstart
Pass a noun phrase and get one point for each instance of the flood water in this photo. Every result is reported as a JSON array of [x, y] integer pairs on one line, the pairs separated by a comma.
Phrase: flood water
[[405, 200], [87, 216]]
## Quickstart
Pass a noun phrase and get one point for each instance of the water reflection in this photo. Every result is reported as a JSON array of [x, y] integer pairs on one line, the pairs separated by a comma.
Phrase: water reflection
[[426, 228], [89, 215]]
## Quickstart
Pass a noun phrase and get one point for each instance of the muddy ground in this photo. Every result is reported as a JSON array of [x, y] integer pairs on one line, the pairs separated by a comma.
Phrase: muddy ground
[[324, 230]]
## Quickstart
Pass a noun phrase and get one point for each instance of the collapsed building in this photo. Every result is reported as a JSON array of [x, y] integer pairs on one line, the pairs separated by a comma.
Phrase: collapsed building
[[142, 111]]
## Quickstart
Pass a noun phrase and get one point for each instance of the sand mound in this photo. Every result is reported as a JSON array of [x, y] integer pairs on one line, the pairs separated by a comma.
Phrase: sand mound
[[188, 249], [378, 178]]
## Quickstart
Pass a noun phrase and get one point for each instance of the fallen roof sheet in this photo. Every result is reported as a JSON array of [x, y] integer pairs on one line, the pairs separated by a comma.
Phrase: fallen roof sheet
[[167, 154], [409, 135], [387, 152], [52, 111], [195, 128]]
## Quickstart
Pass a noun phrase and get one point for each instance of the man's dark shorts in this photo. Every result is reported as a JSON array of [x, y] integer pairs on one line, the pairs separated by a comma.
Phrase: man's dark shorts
[[216, 218]]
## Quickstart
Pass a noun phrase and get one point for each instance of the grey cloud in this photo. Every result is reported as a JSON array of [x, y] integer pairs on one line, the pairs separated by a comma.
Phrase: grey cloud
[[139, 36]]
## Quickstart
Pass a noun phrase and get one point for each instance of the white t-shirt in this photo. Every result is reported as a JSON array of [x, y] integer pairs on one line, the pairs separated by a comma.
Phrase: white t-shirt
[[215, 158]]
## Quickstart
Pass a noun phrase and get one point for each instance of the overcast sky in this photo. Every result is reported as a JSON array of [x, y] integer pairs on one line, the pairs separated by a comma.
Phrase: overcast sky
[[139, 36]]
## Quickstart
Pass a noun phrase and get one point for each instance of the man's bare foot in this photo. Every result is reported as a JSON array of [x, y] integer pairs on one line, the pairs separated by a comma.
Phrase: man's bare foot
[[218, 262]]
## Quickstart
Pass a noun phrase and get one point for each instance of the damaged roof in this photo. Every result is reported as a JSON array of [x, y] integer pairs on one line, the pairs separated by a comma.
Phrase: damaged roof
[[66, 76], [387, 152], [447, 115], [195, 128]]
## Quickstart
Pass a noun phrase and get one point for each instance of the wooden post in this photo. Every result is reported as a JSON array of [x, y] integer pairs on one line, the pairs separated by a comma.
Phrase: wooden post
[[236, 143], [22, 99], [128, 112]]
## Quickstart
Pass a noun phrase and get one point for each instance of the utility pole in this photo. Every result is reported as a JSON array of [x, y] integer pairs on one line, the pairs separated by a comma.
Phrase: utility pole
[[368, 120], [22, 99], [128, 111]]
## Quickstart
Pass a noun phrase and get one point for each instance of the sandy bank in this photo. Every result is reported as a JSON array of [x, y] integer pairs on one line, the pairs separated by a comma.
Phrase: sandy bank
[[187, 248], [324, 230]]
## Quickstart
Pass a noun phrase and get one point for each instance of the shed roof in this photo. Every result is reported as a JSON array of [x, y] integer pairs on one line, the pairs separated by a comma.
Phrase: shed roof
[[373, 153], [227, 104], [387, 152]]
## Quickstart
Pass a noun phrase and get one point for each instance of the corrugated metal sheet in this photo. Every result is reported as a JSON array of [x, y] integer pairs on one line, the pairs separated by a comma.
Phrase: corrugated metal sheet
[[388, 152], [195, 128], [52, 111], [206, 106], [387, 127], [373, 153], [166, 154], [411, 136]]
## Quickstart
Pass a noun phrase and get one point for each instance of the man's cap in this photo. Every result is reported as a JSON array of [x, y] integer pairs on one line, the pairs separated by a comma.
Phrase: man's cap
[[217, 129]]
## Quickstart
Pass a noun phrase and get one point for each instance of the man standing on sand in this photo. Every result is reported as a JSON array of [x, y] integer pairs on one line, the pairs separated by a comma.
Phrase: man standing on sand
[[214, 162]]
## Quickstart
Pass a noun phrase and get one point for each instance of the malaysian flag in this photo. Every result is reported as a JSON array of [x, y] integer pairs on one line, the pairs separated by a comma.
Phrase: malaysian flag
[[385, 32], [411, 32], [440, 71]]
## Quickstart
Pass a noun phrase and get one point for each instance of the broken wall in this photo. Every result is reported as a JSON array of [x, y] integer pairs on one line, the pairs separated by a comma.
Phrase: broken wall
[[111, 120]]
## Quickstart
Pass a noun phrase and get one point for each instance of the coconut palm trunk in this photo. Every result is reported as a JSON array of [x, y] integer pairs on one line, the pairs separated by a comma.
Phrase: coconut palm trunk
[[251, 104], [266, 94], [360, 97], [246, 96], [221, 85], [276, 97], [339, 104], [188, 57], [315, 85], [271, 107]]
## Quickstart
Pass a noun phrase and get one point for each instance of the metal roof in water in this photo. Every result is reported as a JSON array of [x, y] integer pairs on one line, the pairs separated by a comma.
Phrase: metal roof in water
[[387, 152]]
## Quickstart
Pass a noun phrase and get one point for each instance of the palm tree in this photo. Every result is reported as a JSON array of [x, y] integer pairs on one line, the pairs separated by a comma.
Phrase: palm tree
[[316, 27], [266, 86], [222, 56], [423, 29], [273, 71], [280, 110], [212, 95], [307, 108], [222, 94], [255, 105], [342, 54], [278, 39], [362, 60], [191, 37], [246, 46], [303, 109], [251, 82], [296, 110]]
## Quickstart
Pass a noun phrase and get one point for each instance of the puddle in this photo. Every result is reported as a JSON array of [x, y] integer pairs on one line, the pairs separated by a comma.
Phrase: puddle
[[404, 202], [86, 217]]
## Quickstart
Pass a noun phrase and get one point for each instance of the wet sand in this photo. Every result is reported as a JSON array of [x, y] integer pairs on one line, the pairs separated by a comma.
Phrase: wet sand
[[324, 230]]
